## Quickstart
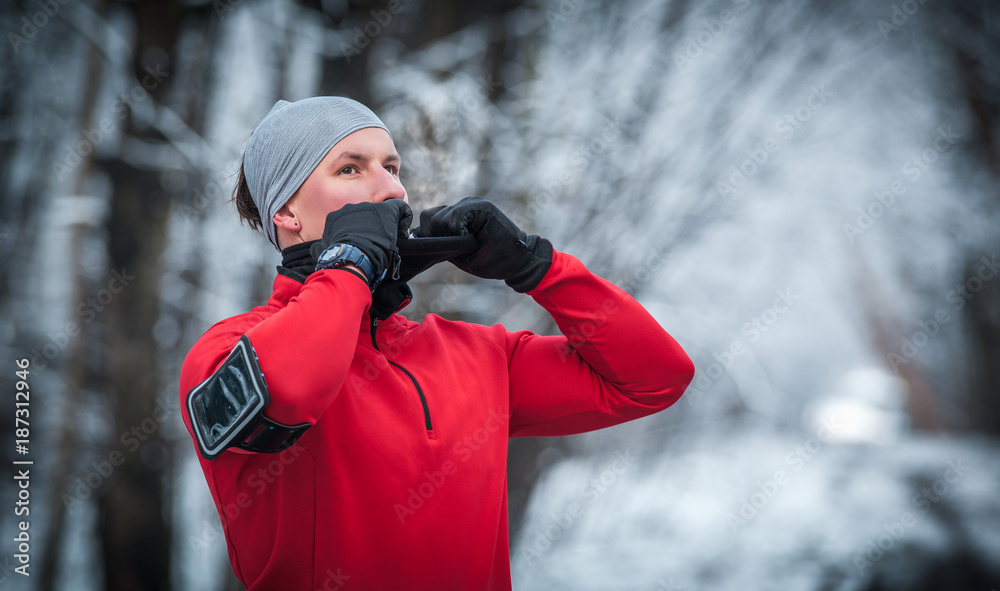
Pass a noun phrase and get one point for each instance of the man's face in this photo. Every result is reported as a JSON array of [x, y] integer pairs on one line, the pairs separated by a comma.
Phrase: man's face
[[364, 166]]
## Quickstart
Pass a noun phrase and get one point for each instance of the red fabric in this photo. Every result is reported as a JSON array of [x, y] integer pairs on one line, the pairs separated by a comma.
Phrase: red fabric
[[369, 498]]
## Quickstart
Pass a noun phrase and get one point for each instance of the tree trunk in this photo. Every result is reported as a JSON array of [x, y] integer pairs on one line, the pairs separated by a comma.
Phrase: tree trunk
[[134, 517], [135, 532], [975, 47]]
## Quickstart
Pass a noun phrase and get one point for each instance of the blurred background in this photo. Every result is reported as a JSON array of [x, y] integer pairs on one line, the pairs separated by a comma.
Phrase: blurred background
[[803, 193]]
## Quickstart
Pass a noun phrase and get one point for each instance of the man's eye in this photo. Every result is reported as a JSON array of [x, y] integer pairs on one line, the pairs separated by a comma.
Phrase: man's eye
[[392, 169], [349, 169]]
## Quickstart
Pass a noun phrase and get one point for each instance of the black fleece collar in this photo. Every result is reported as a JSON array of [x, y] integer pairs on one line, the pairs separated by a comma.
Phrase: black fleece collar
[[297, 262]]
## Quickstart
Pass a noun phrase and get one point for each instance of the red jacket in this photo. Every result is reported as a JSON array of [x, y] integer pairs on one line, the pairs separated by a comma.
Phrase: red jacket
[[400, 482]]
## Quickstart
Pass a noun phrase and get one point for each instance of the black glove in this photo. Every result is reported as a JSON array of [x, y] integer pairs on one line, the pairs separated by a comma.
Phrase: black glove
[[372, 227], [505, 251]]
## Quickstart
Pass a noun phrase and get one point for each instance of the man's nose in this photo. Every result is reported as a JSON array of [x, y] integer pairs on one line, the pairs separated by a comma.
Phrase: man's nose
[[388, 187]]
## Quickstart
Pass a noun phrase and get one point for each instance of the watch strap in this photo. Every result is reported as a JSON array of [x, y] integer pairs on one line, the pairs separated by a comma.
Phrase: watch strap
[[340, 254]]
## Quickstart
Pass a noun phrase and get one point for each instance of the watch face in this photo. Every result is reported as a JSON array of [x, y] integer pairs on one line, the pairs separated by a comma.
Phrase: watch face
[[331, 253]]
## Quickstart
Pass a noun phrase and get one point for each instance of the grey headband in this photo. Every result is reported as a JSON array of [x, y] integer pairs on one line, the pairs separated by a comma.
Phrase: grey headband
[[290, 142]]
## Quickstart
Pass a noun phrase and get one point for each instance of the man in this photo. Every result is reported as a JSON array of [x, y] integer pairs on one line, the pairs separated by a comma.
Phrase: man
[[346, 446]]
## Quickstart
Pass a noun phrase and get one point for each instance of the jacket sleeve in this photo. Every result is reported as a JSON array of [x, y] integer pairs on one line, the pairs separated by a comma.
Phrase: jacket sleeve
[[613, 362], [304, 349]]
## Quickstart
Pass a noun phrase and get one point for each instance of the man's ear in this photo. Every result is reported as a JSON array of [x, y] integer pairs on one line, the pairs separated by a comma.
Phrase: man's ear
[[287, 226], [286, 218]]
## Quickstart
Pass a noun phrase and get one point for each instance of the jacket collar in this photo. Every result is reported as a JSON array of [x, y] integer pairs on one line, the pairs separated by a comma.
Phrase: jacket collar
[[297, 263], [285, 288]]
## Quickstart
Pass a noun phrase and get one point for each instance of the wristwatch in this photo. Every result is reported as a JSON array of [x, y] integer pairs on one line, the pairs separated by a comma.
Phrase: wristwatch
[[340, 254]]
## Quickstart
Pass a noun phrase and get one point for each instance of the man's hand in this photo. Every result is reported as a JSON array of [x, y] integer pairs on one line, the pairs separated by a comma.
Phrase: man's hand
[[372, 227], [505, 251]]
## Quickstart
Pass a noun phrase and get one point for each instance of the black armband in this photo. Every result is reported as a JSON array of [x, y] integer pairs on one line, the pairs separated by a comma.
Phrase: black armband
[[227, 409]]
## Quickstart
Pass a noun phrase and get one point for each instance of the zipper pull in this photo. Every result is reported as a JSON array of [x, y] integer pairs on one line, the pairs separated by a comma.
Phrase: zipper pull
[[374, 328], [396, 259]]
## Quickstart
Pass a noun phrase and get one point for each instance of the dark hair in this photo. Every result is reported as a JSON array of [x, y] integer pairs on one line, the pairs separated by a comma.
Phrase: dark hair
[[244, 202]]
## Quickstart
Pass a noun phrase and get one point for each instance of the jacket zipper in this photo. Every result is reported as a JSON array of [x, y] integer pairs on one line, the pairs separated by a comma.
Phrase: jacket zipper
[[423, 399]]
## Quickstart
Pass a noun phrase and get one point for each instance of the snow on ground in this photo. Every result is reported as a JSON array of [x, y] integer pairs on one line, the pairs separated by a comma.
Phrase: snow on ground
[[762, 510]]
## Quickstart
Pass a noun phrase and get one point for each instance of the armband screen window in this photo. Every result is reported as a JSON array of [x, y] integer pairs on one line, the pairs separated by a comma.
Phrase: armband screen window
[[229, 403]]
